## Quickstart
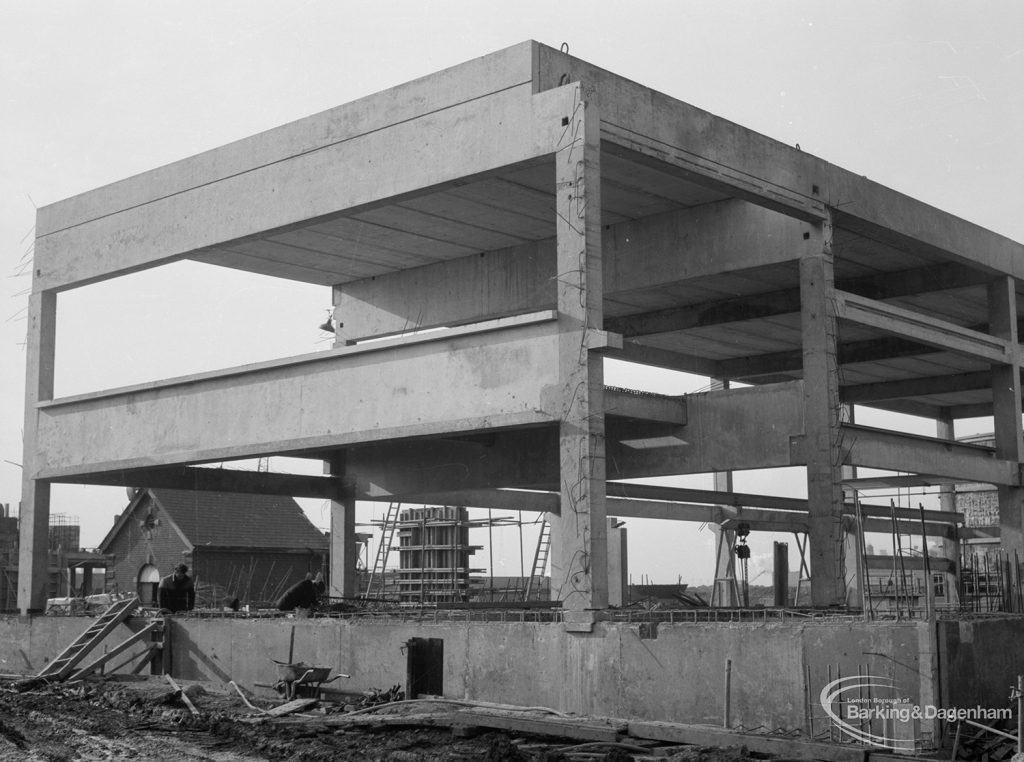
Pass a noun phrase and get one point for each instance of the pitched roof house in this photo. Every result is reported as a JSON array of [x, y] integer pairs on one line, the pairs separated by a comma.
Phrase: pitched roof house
[[250, 547]]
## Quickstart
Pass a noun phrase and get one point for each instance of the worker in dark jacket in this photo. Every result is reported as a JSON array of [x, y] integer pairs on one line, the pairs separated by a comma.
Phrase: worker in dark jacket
[[176, 591], [303, 595]]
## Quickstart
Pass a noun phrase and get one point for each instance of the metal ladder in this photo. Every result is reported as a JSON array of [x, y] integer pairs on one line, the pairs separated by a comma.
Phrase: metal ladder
[[387, 536], [540, 557], [66, 660]]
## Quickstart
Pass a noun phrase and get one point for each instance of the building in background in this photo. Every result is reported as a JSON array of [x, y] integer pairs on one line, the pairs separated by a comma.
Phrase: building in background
[[250, 547]]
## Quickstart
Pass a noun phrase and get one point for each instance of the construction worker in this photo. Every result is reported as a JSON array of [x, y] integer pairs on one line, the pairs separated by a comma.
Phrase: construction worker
[[303, 596], [176, 592]]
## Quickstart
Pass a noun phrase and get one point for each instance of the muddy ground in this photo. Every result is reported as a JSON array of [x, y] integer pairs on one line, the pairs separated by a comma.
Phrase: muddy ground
[[145, 719]]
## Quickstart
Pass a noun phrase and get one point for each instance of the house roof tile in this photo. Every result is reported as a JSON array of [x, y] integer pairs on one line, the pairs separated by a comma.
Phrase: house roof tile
[[227, 519]]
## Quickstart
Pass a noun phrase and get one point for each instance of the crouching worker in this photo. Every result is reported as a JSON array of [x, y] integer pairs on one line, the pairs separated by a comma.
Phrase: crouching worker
[[302, 597], [176, 592]]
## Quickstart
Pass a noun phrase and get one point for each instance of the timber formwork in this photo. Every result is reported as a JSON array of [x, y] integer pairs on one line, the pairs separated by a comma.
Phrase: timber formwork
[[546, 215]]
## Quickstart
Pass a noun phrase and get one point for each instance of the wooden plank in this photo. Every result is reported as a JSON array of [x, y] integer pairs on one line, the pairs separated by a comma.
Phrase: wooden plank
[[119, 648], [290, 707], [179, 692], [561, 727], [706, 735]]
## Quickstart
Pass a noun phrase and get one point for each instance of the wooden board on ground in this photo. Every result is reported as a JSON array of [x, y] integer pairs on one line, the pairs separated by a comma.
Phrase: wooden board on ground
[[706, 735], [533, 724], [295, 705]]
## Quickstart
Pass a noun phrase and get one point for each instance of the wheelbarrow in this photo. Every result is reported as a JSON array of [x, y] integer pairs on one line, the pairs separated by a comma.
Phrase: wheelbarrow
[[295, 675]]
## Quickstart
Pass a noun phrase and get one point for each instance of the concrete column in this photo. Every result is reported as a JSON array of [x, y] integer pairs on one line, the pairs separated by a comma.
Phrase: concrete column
[[853, 568], [945, 428], [33, 558], [579, 546], [822, 412], [1006, 413], [344, 546], [724, 591], [618, 565]]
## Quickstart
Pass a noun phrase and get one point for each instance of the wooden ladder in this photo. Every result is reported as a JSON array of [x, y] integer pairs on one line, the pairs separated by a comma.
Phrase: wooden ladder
[[105, 623], [540, 557], [387, 536]]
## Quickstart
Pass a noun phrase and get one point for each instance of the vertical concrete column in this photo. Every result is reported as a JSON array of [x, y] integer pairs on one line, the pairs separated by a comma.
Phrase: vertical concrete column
[[822, 417], [33, 561], [1006, 412], [618, 564], [344, 550], [945, 428], [853, 568], [724, 591], [579, 546]]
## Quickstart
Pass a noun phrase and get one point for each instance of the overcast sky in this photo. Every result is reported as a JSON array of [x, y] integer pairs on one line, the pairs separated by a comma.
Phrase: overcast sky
[[926, 97]]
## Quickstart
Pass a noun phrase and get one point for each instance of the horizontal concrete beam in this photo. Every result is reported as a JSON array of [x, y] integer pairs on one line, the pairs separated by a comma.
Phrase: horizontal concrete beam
[[624, 403], [662, 358], [481, 135], [921, 328], [655, 251], [916, 387], [672, 504], [896, 481], [492, 73], [434, 383], [887, 450], [888, 285], [739, 161], [219, 480], [726, 430], [910, 563]]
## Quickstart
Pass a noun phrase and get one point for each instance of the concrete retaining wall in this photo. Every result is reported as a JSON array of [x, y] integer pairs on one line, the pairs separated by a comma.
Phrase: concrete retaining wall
[[618, 670], [672, 672], [980, 660]]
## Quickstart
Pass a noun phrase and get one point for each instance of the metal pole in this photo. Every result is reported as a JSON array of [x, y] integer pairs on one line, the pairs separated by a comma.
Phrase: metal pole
[[1020, 711], [490, 551], [522, 561], [929, 592], [895, 561], [727, 720]]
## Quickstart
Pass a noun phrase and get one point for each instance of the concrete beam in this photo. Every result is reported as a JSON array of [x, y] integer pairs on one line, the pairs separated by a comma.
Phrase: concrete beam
[[718, 508], [474, 136], [655, 251], [740, 162], [731, 429], [786, 301], [877, 448], [915, 387], [921, 328], [218, 480], [631, 351], [435, 383], [498, 71], [660, 408], [910, 563]]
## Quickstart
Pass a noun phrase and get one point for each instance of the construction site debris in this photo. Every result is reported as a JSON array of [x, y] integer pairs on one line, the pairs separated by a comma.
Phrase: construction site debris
[[122, 717]]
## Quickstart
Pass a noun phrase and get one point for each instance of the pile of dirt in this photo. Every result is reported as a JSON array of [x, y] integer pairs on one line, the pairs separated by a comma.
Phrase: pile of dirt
[[145, 719]]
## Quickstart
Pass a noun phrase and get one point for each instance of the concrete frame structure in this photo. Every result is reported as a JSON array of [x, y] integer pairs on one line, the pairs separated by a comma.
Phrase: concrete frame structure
[[545, 214]]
